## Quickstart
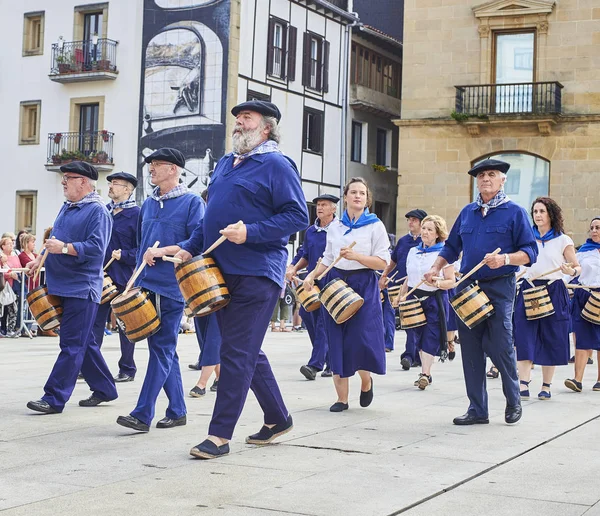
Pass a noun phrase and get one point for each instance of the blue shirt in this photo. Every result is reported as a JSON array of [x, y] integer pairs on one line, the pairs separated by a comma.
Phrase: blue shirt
[[123, 237], [88, 227], [400, 254], [170, 225], [263, 191], [314, 246], [299, 255], [505, 226]]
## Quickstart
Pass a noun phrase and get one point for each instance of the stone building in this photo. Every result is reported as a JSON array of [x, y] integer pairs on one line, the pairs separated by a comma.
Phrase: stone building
[[515, 79]]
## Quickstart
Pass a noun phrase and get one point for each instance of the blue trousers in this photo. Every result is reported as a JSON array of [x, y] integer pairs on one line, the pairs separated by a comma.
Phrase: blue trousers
[[126, 363], [244, 322], [315, 325], [163, 370], [208, 334], [78, 352], [492, 337], [389, 320], [411, 351]]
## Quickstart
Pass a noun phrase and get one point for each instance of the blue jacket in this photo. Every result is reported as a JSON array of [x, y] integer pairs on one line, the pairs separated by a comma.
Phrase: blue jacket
[[505, 226], [400, 254], [124, 237], [313, 246], [87, 227], [170, 225], [263, 191]]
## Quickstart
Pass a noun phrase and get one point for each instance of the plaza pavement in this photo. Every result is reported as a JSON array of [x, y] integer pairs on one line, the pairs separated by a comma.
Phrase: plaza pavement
[[402, 455]]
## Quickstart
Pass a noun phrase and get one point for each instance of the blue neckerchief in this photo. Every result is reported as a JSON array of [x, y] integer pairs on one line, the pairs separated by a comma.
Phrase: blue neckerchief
[[263, 148], [112, 205], [494, 202], [320, 228], [547, 237], [431, 249], [364, 220], [589, 245]]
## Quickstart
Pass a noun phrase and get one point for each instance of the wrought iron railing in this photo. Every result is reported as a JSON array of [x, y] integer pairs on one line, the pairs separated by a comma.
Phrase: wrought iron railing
[[84, 56], [539, 98], [342, 4], [95, 147]]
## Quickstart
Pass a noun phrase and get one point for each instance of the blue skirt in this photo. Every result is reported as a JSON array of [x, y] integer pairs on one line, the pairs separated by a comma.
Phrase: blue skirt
[[209, 335], [544, 341], [431, 336], [451, 324], [587, 334], [358, 343]]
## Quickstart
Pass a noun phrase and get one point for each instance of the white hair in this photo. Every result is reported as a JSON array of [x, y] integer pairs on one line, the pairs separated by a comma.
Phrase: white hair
[[271, 123]]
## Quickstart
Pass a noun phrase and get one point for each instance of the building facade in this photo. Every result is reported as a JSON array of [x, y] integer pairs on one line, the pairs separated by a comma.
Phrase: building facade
[[518, 80]]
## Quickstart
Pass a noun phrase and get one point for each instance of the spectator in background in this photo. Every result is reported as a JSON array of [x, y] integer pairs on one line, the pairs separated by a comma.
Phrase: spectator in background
[[9, 297], [28, 254]]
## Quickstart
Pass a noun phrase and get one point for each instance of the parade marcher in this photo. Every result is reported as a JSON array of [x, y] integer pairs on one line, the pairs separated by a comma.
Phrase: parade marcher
[[545, 341], [313, 249], [208, 334], [492, 221], [587, 334], [356, 345], [168, 216], [430, 339], [389, 312], [74, 273], [452, 319], [260, 186], [410, 357]]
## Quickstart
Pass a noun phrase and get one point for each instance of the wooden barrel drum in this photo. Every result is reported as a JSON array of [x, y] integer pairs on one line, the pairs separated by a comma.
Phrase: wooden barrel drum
[[202, 285], [472, 305], [309, 300], [109, 290], [136, 313], [591, 310], [537, 303], [46, 309], [411, 314], [340, 300]]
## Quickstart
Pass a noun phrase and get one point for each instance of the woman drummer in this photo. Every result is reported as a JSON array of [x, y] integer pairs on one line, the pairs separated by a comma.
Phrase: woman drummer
[[587, 334], [429, 339], [545, 341], [356, 345]]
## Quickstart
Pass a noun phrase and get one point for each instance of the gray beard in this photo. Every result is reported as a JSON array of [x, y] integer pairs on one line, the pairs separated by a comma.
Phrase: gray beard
[[245, 141]]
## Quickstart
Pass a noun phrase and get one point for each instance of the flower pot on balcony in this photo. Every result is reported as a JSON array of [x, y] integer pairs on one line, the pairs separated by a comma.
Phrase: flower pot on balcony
[[103, 64], [64, 67], [102, 157], [56, 159], [105, 136]]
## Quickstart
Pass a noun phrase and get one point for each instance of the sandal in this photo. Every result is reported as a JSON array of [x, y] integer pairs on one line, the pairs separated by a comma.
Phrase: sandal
[[524, 393], [275, 329], [493, 372], [544, 395]]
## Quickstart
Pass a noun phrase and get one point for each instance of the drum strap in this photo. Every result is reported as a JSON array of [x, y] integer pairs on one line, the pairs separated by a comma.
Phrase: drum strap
[[442, 325], [157, 297]]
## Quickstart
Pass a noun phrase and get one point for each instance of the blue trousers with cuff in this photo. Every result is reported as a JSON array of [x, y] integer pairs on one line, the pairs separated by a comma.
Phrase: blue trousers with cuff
[[315, 325], [389, 320]]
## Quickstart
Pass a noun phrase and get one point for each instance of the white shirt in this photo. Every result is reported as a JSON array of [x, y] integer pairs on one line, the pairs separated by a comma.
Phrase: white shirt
[[550, 256], [590, 268], [371, 240], [417, 264]]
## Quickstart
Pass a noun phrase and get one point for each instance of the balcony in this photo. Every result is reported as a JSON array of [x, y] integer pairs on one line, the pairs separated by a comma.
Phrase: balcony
[[95, 147], [78, 61]]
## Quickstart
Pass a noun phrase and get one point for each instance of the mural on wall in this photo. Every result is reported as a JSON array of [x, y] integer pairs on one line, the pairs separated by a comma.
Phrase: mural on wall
[[184, 85]]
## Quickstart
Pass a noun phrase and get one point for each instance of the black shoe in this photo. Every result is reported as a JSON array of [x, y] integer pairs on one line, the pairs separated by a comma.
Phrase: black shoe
[[133, 422], [574, 385], [80, 377], [214, 386], [209, 450], [470, 419], [405, 363], [167, 422], [590, 361], [92, 401], [327, 373], [451, 355], [512, 414], [338, 407], [388, 350], [195, 367], [41, 406], [572, 360], [197, 392], [122, 377], [266, 434], [366, 397], [309, 372]]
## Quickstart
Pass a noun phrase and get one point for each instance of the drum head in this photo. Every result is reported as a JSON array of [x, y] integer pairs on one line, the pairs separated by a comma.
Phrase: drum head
[[126, 296]]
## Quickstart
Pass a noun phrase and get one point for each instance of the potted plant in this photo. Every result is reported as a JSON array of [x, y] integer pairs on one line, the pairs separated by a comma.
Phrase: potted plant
[[64, 60], [56, 159], [102, 157], [93, 157], [57, 138], [105, 135], [379, 168], [103, 64]]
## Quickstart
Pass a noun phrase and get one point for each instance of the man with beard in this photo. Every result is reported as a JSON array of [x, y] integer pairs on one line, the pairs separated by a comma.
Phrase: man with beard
[[259, 185]]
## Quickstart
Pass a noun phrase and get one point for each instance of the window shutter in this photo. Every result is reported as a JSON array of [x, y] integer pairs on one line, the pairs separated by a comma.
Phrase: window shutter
[[291, 56], [306, 60], [270, 48], [318, 133], [320, 65], [325, 66]]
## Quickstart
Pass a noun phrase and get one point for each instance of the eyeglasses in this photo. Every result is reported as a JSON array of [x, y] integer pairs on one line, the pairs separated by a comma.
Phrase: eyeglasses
[[65, 179], [155, 163], [112, 183]]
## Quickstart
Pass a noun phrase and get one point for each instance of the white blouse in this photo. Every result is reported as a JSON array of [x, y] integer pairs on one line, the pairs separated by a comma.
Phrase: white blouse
[[590, 268], [417, 264], [550, 256], [371, 240]]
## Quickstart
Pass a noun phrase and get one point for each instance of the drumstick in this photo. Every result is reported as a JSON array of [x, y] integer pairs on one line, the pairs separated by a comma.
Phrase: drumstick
[[412, 290], [316, 267], [548, 272], [572, 285], [44, 254], [220, 240], [521, 275], [475, 269], [172, 259], [335, 262], [108, 264], [138, 272], [395, 280]]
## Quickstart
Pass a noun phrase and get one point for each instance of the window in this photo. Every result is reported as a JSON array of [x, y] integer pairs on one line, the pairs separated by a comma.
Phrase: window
[[381, 153], [281, 50], [29, 123], [26, 207], [312, 139], [33, 34], [315, 66], [356, 144], [375, 71], [254, 95]]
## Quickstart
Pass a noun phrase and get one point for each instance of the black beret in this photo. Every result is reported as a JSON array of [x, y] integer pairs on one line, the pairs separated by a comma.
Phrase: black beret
[[417, 214], [82, 168], [167, 154], [326, 197], [125, 176], [489, 164], [260, 106]]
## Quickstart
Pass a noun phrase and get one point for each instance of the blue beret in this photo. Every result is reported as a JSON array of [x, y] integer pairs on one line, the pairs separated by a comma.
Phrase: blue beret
[[167, 154], [260, 106], [489, 164], [124, 176], [417, 214], [82, 168], [326, 197]]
